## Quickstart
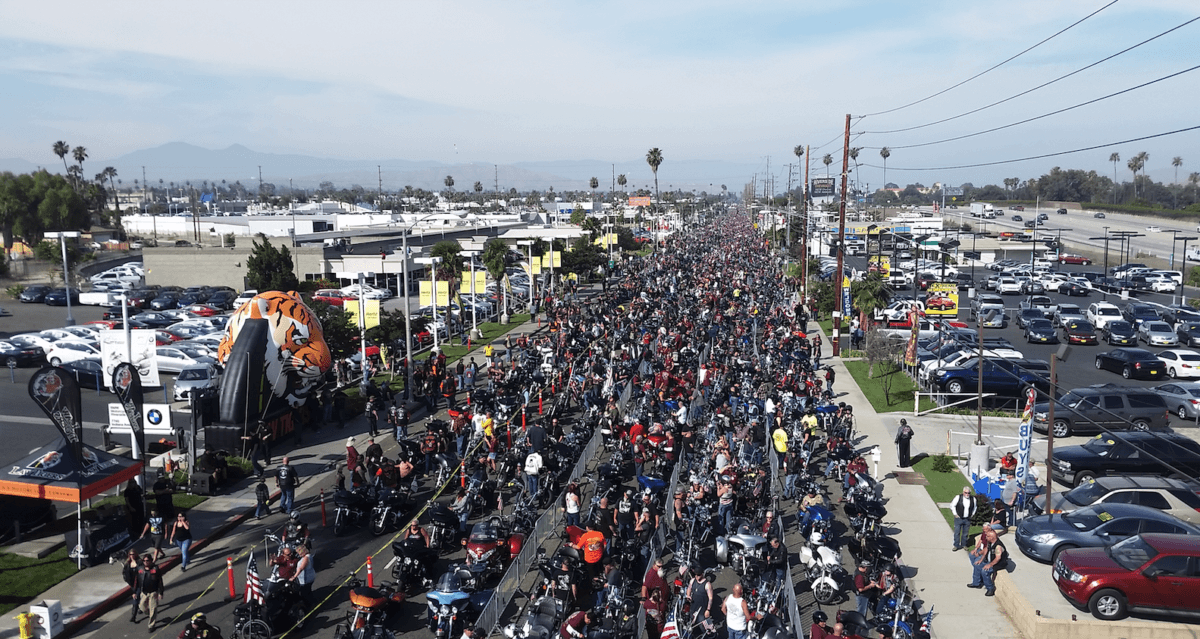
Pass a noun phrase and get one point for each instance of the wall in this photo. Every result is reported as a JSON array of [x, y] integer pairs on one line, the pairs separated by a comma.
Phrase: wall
[[217, 266]]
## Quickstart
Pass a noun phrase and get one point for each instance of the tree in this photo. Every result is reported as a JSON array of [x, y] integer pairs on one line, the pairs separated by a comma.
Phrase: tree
[[449, 182], [451, 267], [341, 335], [594, 183], [1133, 166], [1114, 158], [885, 153], [827, 160], [578, 216], [870, 294], [583, 258], [654, 158], [479, 189], [494, 254], [1176, 162], [621, 181], [269, 268], [61, 149], [80, 154], [853, 153]]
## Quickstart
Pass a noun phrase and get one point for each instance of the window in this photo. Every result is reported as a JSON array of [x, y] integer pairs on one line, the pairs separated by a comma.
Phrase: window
[[1146, 401], [1151, 526], [1173, 565], [1121, 528], [1152, 499], [1113, 402], [1123, 497]]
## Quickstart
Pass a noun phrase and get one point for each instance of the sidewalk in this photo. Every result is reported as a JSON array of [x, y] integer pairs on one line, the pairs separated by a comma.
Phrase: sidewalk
[[92, 592], [938, 575]]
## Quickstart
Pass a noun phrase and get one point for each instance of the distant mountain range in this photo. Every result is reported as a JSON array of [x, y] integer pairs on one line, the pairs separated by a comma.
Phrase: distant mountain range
[[179, 162]]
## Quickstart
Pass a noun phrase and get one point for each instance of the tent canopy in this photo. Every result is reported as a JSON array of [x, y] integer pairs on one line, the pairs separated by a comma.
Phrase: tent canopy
[[53, 472]]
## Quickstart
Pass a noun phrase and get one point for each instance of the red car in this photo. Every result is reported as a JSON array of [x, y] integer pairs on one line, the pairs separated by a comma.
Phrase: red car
[[943, 303], [331, 296], [1073, 259], [202, 310], [1149, 573], [163, 338], [103, 324]]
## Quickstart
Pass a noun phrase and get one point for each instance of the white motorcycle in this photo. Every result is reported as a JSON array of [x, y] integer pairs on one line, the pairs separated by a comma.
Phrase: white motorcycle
[[822, 566]]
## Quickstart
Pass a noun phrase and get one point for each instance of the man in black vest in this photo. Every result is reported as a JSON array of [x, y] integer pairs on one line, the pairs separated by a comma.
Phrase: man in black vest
[[963, 508]]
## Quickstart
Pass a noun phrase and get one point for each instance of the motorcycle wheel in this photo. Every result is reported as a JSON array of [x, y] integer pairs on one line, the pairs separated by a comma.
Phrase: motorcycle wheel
[[824, 593], [339, 525], [379, 525], [255, 629], [341, 631]]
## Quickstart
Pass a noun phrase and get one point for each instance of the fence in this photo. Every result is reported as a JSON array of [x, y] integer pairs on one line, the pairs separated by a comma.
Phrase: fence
[[789, 591], [545, 527]]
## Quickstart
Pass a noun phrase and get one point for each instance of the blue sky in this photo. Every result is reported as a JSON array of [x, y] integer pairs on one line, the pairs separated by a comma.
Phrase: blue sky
[[524, 81]]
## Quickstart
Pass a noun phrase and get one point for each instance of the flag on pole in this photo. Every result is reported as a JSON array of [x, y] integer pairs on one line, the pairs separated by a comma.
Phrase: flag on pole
[[670, 629], [254, 591]]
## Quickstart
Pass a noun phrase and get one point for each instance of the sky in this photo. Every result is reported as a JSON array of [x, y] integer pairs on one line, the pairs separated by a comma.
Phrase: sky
[[502, 82]]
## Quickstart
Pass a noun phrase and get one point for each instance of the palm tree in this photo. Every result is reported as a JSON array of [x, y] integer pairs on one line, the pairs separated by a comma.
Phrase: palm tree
[[621, 181], [61, 149], [1114, 158], [479, 190], [854, 150], [1177, 162], [594, 182], [827, 160], [1133, 166], [449, 182], [885, 153], [80, 154], [654, 158]]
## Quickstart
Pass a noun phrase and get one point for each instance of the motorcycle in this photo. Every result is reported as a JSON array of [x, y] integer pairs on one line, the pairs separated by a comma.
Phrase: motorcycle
[[742, 547], [822, 565], [368, 611], [413, 564], [490, 547], [351, 508], [443, 528], [385, 516], [451, 605]]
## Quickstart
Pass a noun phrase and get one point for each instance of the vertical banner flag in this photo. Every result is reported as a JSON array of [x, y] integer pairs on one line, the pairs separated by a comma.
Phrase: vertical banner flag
[[58, 394], [846, 310], [127, 386], [942, 299], [910, 351], [1025, 440], [371, 314], [535, 266], [426, 293]]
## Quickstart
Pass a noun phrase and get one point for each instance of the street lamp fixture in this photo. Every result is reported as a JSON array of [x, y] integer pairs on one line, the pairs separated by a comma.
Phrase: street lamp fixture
[[362, 319], [62, 241]]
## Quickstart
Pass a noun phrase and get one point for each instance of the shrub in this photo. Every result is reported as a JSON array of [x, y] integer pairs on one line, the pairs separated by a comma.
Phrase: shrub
[[15, 290], [943, 464]]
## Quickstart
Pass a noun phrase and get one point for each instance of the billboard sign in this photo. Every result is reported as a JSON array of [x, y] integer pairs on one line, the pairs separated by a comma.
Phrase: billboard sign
[[823, 187], [955, 191], [642, 200], [145, 355], [942, 300], [156, 419], [880, 263]]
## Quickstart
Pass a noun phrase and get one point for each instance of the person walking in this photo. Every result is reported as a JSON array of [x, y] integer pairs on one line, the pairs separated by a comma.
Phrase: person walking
[[129, 572], [262, 495], [963, 508], [285, 481], [181, 535], [149, 591], [372, 412], [306, 573], [157, 530], [903, 436]]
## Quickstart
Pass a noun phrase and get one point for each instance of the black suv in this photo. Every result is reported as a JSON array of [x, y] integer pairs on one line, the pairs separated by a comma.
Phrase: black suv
[[1100, 407], [1127, 454]]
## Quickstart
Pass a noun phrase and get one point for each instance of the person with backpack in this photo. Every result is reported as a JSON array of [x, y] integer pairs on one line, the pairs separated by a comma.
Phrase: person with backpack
[[157, 529], [903, 436]]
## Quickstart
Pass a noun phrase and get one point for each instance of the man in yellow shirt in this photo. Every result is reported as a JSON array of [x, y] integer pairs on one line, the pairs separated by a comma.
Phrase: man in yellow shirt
[[809, 422], [779, 438], [488, 352]]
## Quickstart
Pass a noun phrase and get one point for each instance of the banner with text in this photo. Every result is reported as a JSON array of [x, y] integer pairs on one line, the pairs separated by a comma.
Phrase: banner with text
[[639, 200], [371, 308], [443, 293], [942, 299]]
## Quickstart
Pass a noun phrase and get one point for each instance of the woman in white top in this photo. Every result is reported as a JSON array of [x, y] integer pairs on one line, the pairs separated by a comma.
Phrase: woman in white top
[[571, 505], [736, 613]]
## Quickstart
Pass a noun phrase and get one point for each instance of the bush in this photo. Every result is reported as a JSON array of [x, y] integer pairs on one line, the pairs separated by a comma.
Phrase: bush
[[239, 467], [943, 464], [15, 290]]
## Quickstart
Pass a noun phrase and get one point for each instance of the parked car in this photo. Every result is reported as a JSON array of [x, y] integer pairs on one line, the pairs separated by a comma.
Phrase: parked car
[[1147, 573], [1000, 376], [1073, 289], [1157, 334], [1132, 363], [1043, 537], [1073, 259], [14, 354], [1101, 313], [1120, 333], [1040, 331], [165, 301], [34, 294], [1025, 315], [1008, 286], [222, 300], [1133, 453], [1172, 496], [154, 320], [1061, 211], [246, 296], [65, 351], [1182, 398], [1067, 313], [1100, 407], [1017, 218], [1080, 332], [87, 371], [58, 297], [174, 360], [194, 377], [1180, 362]]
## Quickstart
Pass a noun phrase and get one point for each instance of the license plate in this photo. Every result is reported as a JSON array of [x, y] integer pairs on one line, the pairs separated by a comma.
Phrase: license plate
[[1153, 372]]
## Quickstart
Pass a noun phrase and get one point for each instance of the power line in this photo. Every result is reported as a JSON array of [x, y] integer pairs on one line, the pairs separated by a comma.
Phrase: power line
[[996, 66], [1037, 157], [1044, 115], [1040, 86]]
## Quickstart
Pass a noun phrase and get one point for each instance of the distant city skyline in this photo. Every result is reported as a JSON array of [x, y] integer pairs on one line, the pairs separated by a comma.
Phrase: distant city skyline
[[463, 83]]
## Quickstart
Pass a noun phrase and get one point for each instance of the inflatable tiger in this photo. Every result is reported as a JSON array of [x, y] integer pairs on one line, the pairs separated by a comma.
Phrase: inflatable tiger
[[297, 356]]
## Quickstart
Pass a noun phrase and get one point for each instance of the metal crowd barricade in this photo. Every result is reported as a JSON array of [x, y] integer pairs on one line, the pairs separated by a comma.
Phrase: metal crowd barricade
[[545, 527], [790, 591]]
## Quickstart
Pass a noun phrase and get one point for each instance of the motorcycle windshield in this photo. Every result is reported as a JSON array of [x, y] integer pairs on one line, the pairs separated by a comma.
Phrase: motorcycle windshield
[[484, 533]]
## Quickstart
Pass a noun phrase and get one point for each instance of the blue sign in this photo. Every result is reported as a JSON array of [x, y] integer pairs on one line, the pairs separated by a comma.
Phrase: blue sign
[[845, 300]]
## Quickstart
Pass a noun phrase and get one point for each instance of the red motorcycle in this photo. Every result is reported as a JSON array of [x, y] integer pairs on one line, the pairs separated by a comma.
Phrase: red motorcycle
[[491, 546]]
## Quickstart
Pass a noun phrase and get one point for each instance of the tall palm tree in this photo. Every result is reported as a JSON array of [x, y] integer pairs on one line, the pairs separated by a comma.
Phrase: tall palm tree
[[885, 153], [1114, 158], [594, 182], [80, 154], [854, 151], [622, 181], [827, 160], [1176, 162], [1133, 164], [449, 182], [61, 149], [654, 158], [111, 173]]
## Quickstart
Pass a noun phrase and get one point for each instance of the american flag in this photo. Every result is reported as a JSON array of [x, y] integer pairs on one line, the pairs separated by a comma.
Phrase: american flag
[[254, 591], [670, 629]]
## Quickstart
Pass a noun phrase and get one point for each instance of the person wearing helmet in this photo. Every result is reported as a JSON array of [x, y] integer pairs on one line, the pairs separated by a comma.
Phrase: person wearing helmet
[[296, 532], [903, 440], [198, 628], [820, 628]]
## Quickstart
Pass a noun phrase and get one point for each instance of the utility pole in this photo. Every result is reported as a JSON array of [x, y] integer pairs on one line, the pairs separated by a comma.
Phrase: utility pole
[[377, 168], [840, 277], [496, 178], [804, 231]]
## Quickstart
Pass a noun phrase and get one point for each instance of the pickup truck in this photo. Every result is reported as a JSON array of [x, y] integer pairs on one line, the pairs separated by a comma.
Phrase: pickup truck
[[1040, 302], [1001, 376], [99, 298], [1133, 453]]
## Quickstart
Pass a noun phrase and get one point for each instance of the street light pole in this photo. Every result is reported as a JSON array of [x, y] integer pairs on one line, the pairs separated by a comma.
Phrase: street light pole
[[62, 241]]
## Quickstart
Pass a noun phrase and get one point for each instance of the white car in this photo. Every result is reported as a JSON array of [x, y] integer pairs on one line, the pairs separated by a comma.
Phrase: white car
[[1066, 313], [246, 296], [1153, 229], [33, 339], [1101, 313], [1008, 285], [1180, 362], [898, 310], [65, 351], [1161, 283], [173, 360], [1175, 276], [366, 291]]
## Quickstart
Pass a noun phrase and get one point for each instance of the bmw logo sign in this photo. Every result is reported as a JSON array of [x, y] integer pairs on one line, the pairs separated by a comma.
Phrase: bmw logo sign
[[154, 416]]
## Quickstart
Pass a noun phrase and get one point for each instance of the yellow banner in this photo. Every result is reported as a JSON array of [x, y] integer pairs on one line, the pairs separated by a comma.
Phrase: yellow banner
[[557, 255], [426, 293], [464, 285], [881, 263], [536, 265], [443, 293], [942, 299], [371, 315], [606, 240]]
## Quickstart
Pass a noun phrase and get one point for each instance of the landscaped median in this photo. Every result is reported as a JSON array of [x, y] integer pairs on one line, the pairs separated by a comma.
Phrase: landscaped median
[[889, 390]]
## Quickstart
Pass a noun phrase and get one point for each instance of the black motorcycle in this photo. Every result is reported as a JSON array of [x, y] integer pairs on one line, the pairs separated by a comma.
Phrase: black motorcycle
[[351, 508], [414, 564], [385, 515], [443, 528]]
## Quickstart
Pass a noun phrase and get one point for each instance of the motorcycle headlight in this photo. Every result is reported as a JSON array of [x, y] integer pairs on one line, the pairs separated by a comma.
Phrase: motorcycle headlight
[[445, 609], [454, 609]]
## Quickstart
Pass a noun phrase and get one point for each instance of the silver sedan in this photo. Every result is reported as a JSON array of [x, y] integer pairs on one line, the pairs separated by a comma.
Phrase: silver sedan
[[1182, 398], [1157, 334]]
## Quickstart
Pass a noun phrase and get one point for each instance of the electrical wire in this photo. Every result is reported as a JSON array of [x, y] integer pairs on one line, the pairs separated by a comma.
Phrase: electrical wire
[[1040, 86], [1044, 115], [996, 66], [1038, 157]]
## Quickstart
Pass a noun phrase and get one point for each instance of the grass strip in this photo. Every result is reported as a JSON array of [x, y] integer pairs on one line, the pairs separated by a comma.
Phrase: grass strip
[[942, 488], [23, 578], [888, 392]]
